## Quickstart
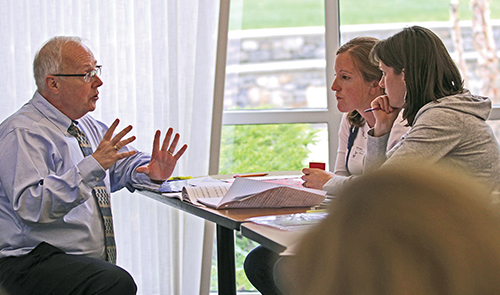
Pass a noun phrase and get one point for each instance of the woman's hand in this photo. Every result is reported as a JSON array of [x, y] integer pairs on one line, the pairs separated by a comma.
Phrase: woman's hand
[[385, 115], [315, 178]]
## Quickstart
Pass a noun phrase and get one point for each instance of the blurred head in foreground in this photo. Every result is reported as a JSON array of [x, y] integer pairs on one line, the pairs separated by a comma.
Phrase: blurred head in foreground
[[404, 231]]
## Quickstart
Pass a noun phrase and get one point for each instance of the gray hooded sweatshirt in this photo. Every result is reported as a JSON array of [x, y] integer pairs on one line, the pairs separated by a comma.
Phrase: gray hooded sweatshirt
[[452, 131]]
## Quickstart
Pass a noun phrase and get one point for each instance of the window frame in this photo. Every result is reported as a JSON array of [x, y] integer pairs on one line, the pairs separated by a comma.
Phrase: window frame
[[329, 116], [495, 113]]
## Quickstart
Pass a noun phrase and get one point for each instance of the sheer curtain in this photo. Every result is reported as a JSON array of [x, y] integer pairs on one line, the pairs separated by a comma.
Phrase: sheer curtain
[[158, 60]]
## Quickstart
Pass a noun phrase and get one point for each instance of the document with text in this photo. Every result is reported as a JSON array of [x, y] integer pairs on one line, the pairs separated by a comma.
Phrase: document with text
[[251, 193], [203, 187]]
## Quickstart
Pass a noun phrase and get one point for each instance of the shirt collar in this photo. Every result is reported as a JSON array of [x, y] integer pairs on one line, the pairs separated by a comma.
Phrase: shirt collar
[[60, 120]]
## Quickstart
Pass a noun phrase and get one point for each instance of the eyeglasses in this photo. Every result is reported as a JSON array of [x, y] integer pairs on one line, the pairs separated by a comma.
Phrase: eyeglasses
[[87, 77]]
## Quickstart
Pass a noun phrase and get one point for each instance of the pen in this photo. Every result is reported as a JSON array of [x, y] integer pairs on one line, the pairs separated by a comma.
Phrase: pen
[[180, 178], [372, 109], [250, 175], [316, 210]]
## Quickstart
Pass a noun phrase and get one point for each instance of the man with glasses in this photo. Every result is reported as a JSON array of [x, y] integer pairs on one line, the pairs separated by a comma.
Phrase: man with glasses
[[57, 168]]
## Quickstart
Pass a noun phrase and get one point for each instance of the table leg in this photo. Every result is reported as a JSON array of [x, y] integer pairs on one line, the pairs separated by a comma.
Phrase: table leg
[[226, 269]]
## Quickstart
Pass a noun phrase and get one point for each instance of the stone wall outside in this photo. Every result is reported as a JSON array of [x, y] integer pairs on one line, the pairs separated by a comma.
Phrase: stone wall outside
[[286, 67]]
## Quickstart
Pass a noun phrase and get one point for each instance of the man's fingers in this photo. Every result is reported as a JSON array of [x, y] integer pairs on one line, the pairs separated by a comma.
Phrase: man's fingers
[[181, 152], [166, 140], [125, 154], [124, 142], [121, 134], [142, 169], [174, 143], [111, 130], [156, 142]]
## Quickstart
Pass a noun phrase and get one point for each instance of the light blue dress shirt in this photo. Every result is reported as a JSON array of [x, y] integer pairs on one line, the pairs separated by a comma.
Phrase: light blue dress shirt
[[46, 183]]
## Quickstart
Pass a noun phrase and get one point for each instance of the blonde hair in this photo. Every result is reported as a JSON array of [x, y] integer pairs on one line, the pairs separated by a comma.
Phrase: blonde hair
[[359, 49], [404, 231]]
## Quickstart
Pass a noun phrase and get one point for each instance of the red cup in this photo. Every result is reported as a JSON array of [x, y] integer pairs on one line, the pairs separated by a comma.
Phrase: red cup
[[318, 165]]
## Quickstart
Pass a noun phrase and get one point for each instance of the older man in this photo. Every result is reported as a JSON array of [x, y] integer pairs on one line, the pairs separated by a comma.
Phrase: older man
[[57, 167]]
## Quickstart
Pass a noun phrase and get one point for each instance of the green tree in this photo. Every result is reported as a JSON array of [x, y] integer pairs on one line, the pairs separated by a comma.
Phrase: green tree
[[257, 148], [254, 148]]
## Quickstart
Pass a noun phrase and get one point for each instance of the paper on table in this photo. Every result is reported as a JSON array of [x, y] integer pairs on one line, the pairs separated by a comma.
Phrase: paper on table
[[290, 221], [249, 193], [242, 188], [172, 186], [205, 187]]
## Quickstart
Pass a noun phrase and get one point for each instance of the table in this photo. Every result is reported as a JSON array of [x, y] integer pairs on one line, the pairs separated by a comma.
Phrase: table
[[284, 242], [227, 221], [279, 241]]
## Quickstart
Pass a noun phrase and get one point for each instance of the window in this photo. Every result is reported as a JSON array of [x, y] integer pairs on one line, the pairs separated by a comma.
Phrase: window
[[275, 74], [272, 100]]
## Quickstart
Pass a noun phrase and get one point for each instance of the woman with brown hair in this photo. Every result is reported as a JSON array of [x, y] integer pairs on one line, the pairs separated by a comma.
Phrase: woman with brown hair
[[448, 123]]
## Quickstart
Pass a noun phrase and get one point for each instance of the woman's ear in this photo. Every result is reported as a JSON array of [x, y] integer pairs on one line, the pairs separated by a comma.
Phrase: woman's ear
[[375, 88]]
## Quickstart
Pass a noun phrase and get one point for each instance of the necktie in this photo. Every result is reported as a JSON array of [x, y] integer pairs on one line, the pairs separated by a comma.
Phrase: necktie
[[101, 195]]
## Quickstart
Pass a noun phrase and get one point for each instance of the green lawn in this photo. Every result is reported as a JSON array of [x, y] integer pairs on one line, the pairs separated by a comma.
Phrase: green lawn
[[297, 13], [404, 11]]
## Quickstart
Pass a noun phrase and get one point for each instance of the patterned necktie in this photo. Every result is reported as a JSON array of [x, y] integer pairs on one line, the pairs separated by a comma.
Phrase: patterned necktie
[[101, 195]]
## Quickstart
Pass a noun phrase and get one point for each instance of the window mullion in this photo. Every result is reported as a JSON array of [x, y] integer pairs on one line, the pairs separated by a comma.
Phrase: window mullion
[[220, 76]]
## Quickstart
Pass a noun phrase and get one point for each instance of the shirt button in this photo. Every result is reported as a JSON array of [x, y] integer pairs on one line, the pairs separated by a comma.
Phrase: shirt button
[[97, 179]]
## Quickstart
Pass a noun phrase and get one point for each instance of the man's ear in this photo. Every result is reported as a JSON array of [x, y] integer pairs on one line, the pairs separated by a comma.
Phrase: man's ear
[[52, 84]]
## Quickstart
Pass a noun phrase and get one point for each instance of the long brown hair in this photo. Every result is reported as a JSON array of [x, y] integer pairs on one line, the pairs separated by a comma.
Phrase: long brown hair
[[430, 72]]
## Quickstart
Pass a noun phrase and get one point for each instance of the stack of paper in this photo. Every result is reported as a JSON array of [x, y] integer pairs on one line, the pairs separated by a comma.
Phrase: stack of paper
[[251, 193]]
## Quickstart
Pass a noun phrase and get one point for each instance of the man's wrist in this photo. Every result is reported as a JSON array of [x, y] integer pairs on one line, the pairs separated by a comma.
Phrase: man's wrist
[[157, 181]]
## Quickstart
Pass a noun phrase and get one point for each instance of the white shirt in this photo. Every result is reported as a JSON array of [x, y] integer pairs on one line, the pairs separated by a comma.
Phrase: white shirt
[[357, 156]]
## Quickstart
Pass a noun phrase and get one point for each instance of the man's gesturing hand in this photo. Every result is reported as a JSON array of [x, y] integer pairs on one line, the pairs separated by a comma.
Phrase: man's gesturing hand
[[163, 160], [107, 153]]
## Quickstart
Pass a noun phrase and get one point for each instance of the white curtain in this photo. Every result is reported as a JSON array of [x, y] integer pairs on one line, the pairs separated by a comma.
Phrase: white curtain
[[158, 59]]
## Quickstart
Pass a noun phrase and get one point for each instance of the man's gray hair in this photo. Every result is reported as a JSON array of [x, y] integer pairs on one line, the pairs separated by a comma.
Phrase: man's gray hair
[[48, 59]]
